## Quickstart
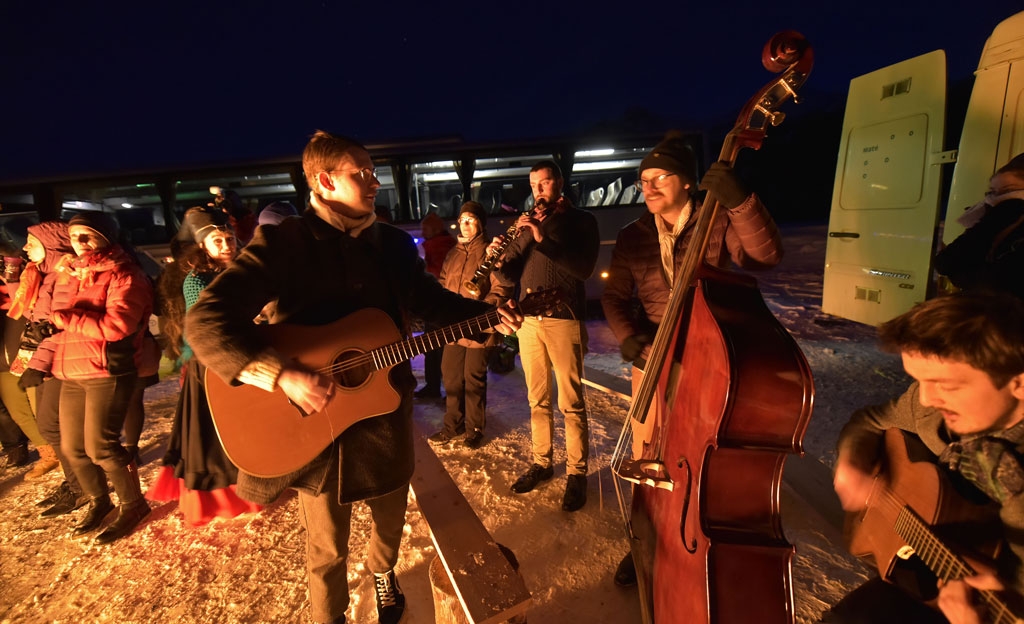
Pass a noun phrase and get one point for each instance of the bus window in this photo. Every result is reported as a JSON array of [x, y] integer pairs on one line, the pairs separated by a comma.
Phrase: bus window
[[137, 208], [605, 177]]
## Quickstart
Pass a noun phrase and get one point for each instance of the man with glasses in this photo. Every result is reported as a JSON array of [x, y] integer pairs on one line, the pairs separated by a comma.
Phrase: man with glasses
[[649, 252], [557, 247], [331, 262]]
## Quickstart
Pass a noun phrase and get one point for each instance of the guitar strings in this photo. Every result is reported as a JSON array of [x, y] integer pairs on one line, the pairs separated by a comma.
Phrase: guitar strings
[[952, 567], [403, 347]]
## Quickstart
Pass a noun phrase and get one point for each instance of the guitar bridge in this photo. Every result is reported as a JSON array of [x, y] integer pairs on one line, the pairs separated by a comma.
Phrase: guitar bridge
[[642, 472]]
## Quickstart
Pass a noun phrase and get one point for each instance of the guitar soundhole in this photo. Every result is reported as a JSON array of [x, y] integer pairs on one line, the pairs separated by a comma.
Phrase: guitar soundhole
[[349, 372]]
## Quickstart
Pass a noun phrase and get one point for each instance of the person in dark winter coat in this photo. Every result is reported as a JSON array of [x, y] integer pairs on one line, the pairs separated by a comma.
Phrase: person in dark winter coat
[[196, 471], [326, 265], [97, 349], [556, 248], [649, 253], [989, 256], [464, 364]]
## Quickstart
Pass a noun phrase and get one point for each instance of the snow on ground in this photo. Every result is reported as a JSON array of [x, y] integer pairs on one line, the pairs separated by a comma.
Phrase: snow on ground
[[250, 569]]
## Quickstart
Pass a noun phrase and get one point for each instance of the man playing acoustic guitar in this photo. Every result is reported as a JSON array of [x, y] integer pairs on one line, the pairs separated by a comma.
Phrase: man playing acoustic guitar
[[966, 355], [330, 263]]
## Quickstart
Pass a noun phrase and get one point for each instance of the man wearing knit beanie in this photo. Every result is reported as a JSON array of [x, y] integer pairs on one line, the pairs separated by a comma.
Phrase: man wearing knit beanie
[[649, 252], [99, 222]]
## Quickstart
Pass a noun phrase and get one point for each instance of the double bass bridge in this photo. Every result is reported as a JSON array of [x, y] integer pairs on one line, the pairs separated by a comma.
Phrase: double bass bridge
[[644, 472]]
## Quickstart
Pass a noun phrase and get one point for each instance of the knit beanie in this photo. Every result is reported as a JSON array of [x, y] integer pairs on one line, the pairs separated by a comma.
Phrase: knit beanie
[[276, 212], [203, 221], [673, 154], [475, 209], [99, 222]]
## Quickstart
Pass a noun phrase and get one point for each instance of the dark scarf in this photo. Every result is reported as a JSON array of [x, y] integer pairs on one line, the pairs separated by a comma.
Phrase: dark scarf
[[991, 461]]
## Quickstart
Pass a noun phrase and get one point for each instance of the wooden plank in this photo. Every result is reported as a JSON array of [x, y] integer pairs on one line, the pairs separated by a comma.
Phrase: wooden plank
[[488, 588], [606, 382]]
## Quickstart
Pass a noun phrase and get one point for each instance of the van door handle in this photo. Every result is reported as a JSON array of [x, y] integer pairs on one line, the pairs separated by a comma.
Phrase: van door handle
[[843, 235]]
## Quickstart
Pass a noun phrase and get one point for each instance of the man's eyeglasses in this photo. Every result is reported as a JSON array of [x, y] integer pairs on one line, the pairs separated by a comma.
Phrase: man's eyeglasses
[[365, 174], [655, 183], [467, 220]]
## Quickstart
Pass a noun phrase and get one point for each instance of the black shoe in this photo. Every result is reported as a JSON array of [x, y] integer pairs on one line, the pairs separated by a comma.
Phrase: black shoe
[[625, 574], [441, 437], [54, 495], [98, 510], [19, 456], [533, 476], [575, 492], [474, 440], [428, 392], [390, 599], [128, 518], [68, 501]]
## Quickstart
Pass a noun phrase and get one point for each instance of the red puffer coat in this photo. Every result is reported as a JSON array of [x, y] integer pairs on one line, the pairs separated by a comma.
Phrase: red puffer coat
[[109, 301]]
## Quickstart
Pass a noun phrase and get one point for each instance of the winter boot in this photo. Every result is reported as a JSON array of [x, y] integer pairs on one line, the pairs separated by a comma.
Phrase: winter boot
[[98, 510], [47, 461], [133, 506], [65, 500], [18, 455]]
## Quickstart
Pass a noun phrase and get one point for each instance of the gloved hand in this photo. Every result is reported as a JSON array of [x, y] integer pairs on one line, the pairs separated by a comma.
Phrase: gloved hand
[[721, 181], [31, 378], [633, 346]]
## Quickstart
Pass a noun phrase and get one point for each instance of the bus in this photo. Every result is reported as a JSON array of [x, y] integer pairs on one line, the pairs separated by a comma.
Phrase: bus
[[417, 177]]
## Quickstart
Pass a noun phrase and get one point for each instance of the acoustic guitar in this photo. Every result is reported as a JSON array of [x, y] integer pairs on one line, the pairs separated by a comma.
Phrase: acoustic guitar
[[914, 509], [264, 434]]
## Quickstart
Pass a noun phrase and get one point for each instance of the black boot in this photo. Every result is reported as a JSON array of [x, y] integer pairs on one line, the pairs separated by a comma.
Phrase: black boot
[[133, 506], [18, 455], [94, 515], [129, 517], [65, 501]]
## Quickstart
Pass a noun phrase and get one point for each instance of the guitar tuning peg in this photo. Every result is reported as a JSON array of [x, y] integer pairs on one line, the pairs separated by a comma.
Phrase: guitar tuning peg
[[776, 118]]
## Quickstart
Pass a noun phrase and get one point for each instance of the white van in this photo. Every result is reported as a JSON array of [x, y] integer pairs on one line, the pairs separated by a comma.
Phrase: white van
[[885, 221]]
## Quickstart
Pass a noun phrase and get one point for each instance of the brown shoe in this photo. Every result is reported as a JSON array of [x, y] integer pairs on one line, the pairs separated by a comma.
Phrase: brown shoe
[[47, 461]]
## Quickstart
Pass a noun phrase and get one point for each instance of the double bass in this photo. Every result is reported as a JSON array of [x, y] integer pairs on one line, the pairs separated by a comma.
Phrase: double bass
[[734, 393]]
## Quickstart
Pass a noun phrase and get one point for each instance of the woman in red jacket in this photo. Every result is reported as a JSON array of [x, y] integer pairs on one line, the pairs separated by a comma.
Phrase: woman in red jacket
[[96, 354]]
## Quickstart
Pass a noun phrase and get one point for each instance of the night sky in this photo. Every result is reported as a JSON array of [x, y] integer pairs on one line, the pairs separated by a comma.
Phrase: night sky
[[154, 84]]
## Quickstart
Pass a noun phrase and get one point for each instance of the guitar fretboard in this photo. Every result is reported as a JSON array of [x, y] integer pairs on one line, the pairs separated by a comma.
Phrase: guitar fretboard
[[944, 563], [396, 352]]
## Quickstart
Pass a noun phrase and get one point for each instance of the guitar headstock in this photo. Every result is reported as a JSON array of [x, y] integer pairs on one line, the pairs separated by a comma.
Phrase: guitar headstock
[[543, 302]]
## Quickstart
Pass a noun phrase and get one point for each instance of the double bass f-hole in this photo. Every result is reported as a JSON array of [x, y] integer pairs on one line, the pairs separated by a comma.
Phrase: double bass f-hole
[[691, 545]]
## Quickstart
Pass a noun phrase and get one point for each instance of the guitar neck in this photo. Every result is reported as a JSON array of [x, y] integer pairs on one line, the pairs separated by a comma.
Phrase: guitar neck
[[403, 350], [944, 563]]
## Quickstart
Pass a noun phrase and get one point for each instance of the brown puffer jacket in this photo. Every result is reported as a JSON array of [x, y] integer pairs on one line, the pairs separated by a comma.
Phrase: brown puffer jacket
[[102, 325], [459, 267], [747, 235]]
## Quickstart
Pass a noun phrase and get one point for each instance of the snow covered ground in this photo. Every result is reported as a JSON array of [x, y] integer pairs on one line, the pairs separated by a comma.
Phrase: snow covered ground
[[250, 569]]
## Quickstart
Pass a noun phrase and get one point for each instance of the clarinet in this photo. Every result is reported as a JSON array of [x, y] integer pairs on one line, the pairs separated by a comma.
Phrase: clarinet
[[474, 286]]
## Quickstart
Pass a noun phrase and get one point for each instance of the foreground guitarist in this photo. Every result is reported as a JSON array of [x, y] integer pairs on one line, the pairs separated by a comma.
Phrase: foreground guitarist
[[320, 267], [966, 355]]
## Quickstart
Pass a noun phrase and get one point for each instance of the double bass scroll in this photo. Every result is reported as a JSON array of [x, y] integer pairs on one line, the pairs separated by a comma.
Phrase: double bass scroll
[[734, 394]]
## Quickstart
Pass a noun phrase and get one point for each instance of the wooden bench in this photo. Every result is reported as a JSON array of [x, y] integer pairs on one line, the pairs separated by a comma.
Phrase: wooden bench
[[489, 589]]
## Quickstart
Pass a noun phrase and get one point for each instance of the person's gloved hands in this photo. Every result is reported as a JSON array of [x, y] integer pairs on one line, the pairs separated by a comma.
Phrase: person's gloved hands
[[633, 346], [31, 378], [722, 182]]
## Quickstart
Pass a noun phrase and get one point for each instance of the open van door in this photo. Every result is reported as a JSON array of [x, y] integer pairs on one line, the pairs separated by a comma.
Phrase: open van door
[[885, 202], [994, 127]]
